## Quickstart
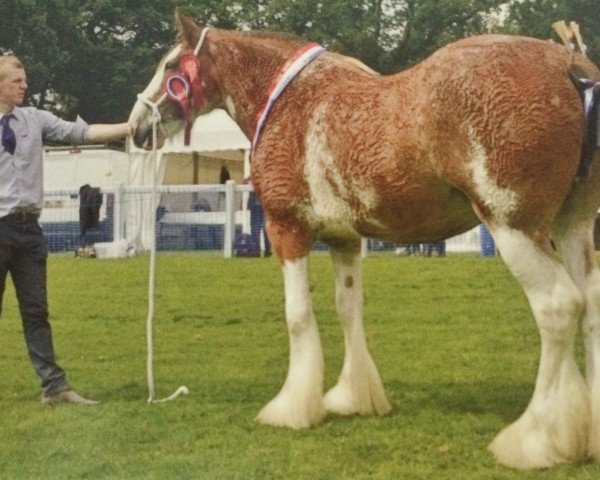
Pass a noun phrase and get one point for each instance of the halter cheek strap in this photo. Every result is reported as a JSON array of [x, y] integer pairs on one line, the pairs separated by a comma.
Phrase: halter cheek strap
[[178, 90], [201, 40]]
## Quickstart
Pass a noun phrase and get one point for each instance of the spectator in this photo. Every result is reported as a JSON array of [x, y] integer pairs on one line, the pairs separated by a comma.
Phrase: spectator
[[257, 223], [436, 248]]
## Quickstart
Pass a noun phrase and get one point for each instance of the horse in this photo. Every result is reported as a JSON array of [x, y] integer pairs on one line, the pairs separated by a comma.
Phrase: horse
[[488, 129]]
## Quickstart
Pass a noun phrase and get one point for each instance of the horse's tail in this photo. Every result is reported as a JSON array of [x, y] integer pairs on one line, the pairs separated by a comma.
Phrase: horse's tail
[[586, 78]]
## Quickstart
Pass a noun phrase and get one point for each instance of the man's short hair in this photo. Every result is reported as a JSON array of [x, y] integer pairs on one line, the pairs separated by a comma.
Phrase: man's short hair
[[8, 60]]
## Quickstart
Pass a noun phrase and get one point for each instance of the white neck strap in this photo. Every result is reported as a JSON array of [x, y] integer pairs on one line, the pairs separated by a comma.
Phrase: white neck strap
[[201, 40]]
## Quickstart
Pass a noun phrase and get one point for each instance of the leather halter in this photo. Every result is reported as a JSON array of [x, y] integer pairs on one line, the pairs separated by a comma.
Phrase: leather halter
[[184, 86]]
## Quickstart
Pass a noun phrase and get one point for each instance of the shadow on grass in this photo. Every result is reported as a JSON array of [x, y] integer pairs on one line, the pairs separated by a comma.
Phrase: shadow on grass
[[499, 398], [506, 400]]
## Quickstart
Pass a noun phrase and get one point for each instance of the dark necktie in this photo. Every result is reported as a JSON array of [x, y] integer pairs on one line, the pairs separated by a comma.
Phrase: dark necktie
[[9, 141]]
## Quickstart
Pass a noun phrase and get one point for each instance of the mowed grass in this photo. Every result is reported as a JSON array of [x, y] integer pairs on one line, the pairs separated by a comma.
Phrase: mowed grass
[[453, 338]]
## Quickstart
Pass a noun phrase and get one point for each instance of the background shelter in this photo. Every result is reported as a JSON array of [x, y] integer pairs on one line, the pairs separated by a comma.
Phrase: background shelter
[[216, 142]]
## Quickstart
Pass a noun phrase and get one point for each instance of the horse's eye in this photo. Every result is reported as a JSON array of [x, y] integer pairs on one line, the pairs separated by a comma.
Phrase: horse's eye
[[172, 65]]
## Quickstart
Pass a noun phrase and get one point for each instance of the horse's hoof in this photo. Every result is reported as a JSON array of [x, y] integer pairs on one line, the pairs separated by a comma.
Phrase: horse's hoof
[[282, 411]]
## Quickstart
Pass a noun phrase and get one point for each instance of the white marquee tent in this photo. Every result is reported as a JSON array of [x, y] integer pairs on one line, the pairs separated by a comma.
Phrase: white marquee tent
[[216, 141]]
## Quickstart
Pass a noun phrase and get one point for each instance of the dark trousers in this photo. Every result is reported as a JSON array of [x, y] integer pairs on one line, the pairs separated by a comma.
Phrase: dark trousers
[[257, 226], [23, 254]]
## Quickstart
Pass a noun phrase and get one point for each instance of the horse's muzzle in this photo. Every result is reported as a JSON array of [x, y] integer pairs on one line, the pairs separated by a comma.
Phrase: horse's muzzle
[[142, 137]]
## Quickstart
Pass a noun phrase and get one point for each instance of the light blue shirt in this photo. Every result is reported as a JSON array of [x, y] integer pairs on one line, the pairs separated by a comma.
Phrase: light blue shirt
[[22, 174]]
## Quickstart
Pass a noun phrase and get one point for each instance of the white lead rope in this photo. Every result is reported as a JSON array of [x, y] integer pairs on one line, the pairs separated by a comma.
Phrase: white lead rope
[[152, 271]]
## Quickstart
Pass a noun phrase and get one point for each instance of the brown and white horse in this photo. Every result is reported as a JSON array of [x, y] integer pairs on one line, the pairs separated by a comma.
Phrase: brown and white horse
[[488, 129]]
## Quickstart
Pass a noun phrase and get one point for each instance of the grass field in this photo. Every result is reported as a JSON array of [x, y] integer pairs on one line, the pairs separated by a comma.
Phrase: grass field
[[453, 337]]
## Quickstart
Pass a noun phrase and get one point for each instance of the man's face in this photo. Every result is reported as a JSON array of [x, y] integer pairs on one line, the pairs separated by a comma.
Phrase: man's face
[[13, 86]]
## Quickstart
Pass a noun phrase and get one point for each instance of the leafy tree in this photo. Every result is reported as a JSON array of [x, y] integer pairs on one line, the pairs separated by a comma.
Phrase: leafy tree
[[386, 34], [40, 37], [535, 18], [92, 57]]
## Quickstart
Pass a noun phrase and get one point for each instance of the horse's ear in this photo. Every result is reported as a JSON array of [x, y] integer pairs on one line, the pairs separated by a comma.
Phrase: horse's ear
[[186, 27]]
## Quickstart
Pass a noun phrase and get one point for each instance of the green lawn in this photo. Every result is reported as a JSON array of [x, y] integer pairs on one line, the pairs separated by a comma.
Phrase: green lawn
[[453, 337]]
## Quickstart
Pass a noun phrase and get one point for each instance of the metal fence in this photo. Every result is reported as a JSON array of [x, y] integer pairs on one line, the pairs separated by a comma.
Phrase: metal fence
[[219, 218]]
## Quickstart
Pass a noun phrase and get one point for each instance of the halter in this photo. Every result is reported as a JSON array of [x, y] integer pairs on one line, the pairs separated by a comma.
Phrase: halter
[[183, 87]]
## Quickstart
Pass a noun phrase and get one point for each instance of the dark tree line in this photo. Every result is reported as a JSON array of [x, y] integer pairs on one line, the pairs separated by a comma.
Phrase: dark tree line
[[92, 57]]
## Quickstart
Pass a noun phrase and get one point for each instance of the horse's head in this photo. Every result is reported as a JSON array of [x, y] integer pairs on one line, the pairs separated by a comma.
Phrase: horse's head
[[180, 90]]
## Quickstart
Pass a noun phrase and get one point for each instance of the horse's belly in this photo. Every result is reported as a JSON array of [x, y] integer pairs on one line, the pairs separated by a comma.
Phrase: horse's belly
[[343, 213], [423, 219]]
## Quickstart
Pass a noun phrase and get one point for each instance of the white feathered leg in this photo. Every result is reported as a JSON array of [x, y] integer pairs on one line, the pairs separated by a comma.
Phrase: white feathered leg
[[299, 404], [554, 427], [359, 389], [575, 243]]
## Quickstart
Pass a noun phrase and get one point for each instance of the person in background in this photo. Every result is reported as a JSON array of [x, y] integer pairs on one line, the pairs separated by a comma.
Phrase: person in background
[[224, 175], [23, 251], [257, 223], [436, 248]]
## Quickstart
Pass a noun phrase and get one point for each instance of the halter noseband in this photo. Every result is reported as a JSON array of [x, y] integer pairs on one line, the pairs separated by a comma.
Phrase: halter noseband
[[183, 87]]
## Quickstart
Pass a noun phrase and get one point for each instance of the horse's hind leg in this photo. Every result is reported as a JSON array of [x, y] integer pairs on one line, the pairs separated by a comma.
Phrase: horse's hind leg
[[554, 427], [299, 404], [575, 244], [359, 389]]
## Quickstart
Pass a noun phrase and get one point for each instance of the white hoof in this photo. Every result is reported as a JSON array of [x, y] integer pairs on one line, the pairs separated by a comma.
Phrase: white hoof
[[365, 399], [289, 412], [529, 443], [594, 440]]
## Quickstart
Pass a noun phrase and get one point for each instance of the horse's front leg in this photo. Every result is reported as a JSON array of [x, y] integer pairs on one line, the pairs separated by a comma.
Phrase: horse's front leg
[[359, 389], [299, 404]]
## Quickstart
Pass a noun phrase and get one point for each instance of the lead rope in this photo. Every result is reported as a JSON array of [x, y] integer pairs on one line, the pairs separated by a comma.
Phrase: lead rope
[[152, 270]]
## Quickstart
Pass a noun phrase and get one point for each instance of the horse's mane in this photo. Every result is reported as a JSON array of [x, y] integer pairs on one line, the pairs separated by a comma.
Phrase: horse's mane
[[269, 34], [259, 34]]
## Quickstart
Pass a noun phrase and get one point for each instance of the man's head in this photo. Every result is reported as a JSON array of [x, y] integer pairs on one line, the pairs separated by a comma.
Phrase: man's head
[[13, 83]]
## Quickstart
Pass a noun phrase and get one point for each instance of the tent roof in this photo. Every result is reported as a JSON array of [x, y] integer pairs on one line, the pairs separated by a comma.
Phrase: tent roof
[[215, 131], [70, 168]]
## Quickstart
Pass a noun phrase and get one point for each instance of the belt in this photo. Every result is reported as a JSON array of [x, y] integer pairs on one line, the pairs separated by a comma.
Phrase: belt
[[21, 217]]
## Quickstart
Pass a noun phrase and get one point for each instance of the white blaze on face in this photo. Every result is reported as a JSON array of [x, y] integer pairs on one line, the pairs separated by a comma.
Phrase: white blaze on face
[[501, 202], [329, 190], [140, 109]]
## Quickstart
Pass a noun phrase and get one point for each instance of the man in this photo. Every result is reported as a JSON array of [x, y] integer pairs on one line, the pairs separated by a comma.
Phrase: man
[[23, 251]]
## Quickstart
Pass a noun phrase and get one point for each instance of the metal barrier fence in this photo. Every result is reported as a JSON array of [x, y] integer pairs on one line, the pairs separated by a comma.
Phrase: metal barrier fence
[[221, 218]]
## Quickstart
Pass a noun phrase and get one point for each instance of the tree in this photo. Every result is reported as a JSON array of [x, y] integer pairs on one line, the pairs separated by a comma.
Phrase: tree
[[535, 18], [388, 35], [90, 57]]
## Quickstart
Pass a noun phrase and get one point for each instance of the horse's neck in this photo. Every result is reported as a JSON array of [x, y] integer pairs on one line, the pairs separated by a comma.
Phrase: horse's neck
[[246, 67]]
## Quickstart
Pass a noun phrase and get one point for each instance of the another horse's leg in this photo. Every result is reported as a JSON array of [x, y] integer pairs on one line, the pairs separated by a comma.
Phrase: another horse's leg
[[574, 241], [554, 427], [359, 389], [299, 404]]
